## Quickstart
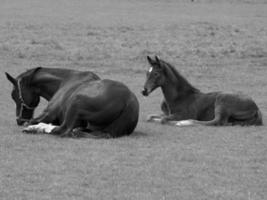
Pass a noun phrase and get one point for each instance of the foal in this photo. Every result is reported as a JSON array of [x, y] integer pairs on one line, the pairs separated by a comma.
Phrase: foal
[[185, 105]]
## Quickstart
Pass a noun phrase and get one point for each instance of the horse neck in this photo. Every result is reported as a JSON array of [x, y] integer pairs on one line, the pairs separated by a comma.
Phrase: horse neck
[[47, 83], [177, 88]]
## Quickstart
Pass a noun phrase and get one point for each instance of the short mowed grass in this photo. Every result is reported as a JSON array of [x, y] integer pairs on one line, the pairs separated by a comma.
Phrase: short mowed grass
[[217, 46]]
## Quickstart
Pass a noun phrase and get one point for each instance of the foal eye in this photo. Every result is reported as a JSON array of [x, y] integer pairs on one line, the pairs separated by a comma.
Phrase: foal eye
[[156, 74]]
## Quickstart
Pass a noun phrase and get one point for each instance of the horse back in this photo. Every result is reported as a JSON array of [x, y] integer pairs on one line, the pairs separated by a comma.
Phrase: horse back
[[61, 98]]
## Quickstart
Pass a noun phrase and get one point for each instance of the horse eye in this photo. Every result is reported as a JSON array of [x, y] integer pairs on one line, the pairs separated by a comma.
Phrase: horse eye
[[156, 74]]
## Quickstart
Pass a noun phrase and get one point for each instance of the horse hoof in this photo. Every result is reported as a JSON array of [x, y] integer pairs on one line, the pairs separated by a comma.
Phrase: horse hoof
[[32, 122], [150, 118], [163, 121], [28, 130]]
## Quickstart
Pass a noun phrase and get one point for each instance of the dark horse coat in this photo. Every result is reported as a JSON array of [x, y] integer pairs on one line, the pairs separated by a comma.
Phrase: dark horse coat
[[38, 82], [105, 108], [182, 101]]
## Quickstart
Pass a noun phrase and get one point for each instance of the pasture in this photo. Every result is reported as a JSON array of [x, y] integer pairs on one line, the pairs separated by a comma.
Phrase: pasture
[[216, 45]]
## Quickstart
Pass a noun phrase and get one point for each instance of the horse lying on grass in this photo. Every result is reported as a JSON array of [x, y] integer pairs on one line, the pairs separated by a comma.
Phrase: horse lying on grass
[[86, 107], [29, 86], [185, 105]]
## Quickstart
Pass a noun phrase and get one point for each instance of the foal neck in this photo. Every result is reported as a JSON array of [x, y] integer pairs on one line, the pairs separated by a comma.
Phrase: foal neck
[[176, 87]]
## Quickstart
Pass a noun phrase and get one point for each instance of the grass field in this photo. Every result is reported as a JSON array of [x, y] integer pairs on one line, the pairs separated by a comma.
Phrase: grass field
[[217, 46]]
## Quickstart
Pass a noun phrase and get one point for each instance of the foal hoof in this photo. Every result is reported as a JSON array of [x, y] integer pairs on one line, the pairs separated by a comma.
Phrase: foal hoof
[[149, 119], [185, 123], [163, 120], [153, 118]]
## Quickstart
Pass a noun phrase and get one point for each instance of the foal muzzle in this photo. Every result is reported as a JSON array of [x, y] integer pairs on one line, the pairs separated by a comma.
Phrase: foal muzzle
[[145, 92]]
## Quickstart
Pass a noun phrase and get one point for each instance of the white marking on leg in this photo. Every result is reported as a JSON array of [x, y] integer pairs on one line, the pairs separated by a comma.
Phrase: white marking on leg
[[40, 128], [184, 123]]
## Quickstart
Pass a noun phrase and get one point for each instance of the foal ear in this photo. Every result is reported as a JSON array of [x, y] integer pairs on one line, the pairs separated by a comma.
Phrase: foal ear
[[157, 59], [159, 63], [151, 62], [11, 79]]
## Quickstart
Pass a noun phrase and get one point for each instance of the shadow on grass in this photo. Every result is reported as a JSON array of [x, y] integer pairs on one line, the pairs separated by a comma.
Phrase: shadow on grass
[[138, 134], [135, 134]]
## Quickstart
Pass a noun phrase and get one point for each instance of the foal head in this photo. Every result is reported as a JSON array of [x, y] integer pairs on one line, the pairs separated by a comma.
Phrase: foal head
[[155, 76], [24, 95], [164, 75]]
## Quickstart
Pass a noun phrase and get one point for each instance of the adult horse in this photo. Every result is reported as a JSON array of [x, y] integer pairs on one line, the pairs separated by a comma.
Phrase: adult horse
[[104, 108], [29, 86], [185, 105], [100, 109]]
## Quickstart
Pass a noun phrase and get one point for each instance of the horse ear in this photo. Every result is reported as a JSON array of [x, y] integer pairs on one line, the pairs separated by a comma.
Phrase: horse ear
[[157, 59], [11, 79], [159, 63], [150, 60]]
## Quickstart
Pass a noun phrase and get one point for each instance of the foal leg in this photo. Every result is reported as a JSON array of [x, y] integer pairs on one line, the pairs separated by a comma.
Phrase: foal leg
[[220, 118], [158, 117], [154, 117]]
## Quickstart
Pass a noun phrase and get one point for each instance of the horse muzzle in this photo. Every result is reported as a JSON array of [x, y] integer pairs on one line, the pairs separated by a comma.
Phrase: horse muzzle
[[21, 122], [145, 92]]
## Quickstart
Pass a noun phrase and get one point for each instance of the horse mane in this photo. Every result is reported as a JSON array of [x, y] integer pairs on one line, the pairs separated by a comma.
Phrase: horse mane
[[28, 75], [174, 75]]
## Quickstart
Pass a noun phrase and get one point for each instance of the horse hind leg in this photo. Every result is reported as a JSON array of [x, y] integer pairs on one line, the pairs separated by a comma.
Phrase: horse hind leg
[[247, 118], [127, 120], [70, 121], [220, 118], [73, 126]]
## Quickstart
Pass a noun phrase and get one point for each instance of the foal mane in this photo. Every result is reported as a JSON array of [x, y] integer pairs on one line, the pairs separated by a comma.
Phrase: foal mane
[[181, 83]]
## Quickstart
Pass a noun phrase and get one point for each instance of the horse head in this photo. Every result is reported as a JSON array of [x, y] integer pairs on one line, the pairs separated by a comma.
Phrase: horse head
[[155, 76], [24, 95]]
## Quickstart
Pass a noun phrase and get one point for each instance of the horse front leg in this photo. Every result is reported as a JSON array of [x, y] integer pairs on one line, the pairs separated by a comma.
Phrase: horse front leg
[[177, 119], [158, 117], [169, 118], [70, 121], [154, 117], [42, 123], [162, 118], [45, 117]]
